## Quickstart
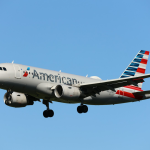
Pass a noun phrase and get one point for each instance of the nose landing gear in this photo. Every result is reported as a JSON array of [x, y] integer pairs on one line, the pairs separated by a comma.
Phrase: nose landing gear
[[47, 113]]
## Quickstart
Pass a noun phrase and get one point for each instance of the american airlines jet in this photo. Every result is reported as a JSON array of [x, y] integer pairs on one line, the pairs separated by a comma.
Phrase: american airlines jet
[[26, 84]]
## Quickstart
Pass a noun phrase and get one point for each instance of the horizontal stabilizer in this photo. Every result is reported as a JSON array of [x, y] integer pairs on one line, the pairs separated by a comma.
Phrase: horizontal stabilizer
[[142, 93]]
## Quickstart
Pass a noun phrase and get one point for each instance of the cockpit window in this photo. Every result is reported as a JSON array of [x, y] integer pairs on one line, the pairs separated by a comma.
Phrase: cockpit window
[[0, 68], [4, 69]]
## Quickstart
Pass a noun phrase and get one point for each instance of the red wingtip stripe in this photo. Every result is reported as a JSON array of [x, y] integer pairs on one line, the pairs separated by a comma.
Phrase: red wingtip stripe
[[146, 52], [144, 61], [140, 70]]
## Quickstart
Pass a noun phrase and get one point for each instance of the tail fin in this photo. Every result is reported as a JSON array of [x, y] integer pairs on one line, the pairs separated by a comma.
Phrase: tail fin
[[137, 66]]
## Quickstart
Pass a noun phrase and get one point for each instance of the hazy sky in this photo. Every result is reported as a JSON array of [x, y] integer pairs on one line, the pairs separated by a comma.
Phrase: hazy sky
[[81, 37]]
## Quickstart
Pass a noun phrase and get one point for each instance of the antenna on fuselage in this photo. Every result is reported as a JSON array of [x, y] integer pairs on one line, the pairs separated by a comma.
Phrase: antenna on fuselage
[[12, 61], [87, 75], [59, 70]]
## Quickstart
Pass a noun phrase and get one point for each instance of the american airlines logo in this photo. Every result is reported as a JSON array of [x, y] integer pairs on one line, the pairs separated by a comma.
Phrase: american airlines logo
[[26, 72], [51, 77]]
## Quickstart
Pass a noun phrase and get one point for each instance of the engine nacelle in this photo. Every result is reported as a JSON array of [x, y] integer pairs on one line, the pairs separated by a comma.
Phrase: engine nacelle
[[17, 100], [67, 92]]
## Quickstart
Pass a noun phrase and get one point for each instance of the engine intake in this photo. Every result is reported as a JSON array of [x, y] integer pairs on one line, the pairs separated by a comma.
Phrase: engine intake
[[67, 92], [17, 100]]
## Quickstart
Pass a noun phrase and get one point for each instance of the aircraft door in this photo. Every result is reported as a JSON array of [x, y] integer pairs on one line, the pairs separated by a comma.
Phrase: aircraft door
[[17, 72]]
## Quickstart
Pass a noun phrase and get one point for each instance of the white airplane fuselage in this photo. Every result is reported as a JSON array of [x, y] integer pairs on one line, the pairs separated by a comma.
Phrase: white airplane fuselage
[[39, 82]]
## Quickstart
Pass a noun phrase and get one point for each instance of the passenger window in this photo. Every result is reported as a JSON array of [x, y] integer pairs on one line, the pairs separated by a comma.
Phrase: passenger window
[[1, 68], [4, 69]]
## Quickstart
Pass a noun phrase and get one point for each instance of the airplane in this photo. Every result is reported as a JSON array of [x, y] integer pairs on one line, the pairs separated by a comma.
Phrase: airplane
[[26, 84]]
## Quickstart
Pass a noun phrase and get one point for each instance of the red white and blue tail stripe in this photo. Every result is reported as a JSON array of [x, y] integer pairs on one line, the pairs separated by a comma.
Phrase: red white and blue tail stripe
[[137, 66]]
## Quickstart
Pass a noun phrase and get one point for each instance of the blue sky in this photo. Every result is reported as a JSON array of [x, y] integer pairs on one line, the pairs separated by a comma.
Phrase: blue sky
[[80, 37]]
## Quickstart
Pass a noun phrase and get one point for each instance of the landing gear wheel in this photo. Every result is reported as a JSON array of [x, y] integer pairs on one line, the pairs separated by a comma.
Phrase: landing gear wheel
[[79, 109], [84, 109], [50, 113], [45, 113]]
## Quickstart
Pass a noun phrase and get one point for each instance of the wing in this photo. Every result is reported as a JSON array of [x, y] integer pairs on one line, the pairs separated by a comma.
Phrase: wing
[[142, 93], [112, 84]]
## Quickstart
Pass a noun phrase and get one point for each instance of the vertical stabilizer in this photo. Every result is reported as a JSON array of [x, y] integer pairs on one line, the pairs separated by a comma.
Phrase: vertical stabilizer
[[137, 66]]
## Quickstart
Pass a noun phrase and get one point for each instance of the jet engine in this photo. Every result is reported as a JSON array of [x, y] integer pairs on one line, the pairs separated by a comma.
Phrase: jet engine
[[67, 92], [15, 99]]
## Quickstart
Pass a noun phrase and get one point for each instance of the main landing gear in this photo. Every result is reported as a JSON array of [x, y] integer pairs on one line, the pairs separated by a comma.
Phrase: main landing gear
[[82, 109], [49, 112]]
